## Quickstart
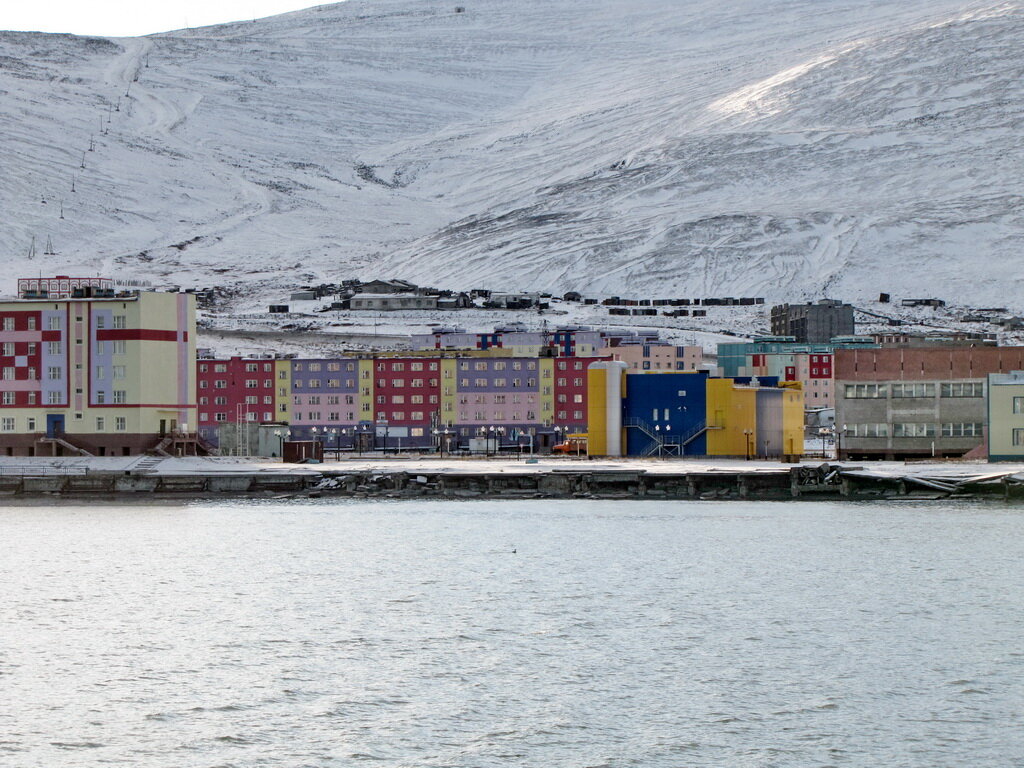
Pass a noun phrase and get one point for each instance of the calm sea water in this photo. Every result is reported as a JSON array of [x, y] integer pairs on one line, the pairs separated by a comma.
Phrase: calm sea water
[[410, 634]]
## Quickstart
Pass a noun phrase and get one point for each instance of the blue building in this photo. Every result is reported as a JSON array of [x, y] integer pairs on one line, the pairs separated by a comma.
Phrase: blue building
[[666, 413]]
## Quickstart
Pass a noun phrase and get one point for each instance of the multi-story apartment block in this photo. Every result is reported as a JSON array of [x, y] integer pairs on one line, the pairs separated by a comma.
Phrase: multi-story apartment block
[[570, 391], [236, 390], [105, 376], [516, 341], [915, 402], [396, 402], [406, 406], [813, 323], [654, 355], [783, 358], [503, 394]]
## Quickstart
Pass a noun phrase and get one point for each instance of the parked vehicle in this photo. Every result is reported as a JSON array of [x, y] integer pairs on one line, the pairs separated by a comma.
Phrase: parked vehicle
[[573, 445]]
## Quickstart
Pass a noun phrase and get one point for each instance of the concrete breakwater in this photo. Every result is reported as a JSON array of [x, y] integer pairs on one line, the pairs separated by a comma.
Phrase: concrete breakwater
[[800, 482]]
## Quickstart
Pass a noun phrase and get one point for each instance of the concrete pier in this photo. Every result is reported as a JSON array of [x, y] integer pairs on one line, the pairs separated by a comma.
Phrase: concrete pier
[[467, 480]]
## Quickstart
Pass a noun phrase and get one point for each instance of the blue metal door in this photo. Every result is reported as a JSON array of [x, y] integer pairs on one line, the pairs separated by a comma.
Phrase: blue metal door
[[54, 425]]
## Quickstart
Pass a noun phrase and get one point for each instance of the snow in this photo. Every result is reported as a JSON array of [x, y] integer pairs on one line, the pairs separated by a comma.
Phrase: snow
[[780, 148], [216, 465]]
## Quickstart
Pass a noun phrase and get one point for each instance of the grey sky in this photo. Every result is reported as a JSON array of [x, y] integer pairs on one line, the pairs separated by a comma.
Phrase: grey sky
[[125, 18]]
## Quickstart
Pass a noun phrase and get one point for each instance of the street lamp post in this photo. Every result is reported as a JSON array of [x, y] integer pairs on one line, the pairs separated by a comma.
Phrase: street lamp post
[[443, 436], [747, 434], [281, 435]]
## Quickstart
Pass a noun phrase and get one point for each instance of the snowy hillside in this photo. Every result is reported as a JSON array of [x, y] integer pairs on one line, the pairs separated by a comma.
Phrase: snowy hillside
[[779, 148]]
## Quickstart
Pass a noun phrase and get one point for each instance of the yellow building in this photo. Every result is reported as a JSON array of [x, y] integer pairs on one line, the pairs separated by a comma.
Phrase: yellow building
[[754, 421], [606, 388]]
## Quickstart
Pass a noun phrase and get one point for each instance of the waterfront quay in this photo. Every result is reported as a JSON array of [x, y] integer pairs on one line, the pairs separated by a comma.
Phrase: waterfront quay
[[427, 477]]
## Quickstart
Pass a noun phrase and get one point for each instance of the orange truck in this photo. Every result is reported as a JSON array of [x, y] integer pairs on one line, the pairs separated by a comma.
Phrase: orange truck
[[573, 445]]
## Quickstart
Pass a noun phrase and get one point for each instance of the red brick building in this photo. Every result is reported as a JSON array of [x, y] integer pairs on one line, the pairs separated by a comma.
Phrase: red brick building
[[915, 402]]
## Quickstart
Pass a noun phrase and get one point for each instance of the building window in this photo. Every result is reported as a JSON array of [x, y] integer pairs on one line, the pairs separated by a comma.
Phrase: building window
[[868, 430], [100, 424], [52, 324], [120, 397], [120, 347], [916, 389], [118, 371], [8, 398], [1018, 437], [101, 397], [860, 391], [1018, 405], [913, 429], [54, 373], [969, 429], [252, 383], [120, 321], [7, 423], [120, 423], [964, 389], [53, 398], [220, 417], [9, 373]]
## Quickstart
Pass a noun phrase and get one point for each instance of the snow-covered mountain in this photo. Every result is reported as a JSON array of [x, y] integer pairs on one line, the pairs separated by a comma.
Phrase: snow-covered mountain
[[779, 148]]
